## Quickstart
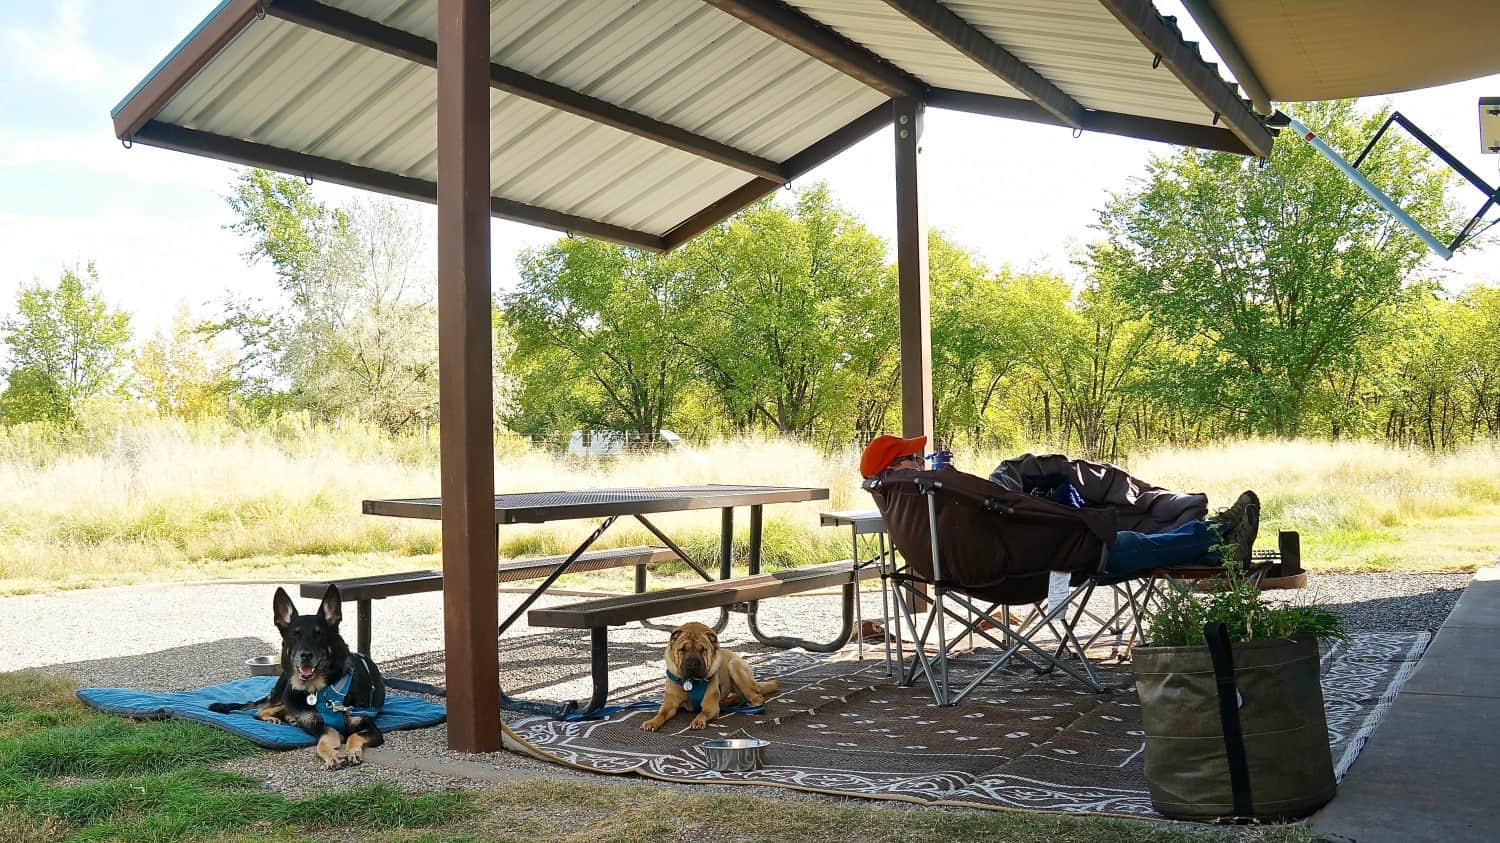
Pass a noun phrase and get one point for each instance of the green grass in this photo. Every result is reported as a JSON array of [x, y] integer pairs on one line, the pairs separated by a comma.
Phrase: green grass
[[631, 813], [69, 773]]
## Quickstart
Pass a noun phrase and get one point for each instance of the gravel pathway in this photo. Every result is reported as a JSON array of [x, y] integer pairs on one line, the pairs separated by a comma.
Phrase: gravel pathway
[[169, 637]]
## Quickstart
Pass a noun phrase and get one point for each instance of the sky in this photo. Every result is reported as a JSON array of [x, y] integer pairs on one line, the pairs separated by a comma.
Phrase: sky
[[154, 222]]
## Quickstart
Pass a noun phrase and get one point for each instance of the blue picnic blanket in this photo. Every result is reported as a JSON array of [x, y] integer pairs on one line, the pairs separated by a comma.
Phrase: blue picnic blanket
[[399, 712]]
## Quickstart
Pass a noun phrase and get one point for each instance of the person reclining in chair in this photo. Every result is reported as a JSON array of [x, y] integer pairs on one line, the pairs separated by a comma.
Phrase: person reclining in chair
[[1190, 543]]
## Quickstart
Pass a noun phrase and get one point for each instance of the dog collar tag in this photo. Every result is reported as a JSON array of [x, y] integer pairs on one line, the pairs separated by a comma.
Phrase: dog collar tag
[[687, 684], [312, 699]]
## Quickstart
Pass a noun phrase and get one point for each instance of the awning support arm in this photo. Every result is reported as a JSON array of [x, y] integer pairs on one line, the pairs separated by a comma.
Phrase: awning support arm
[[1375, 193], [1492, 194]]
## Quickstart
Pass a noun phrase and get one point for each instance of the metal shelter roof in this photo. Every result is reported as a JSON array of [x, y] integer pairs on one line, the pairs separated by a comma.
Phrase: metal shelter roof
[[646, 121]]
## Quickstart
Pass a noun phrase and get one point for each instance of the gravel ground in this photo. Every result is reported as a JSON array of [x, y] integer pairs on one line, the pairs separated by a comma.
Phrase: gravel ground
[[169, 637]]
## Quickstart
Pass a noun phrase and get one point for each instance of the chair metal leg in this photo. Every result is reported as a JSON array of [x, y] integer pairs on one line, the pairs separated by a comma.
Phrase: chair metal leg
[[919, 657], [859, 617], [888, 585], [938, 589]]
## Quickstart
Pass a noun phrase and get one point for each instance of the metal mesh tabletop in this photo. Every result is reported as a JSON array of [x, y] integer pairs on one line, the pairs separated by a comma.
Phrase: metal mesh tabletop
[[537, 507]]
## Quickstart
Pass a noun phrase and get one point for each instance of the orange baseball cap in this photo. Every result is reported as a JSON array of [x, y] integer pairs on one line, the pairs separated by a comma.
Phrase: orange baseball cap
[[886, 449]]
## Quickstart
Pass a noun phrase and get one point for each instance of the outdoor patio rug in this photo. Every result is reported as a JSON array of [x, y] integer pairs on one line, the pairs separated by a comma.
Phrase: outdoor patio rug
[[1019, 741]]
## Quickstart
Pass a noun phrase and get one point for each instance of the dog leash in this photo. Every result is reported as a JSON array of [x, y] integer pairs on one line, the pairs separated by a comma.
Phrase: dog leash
[[650, 703]]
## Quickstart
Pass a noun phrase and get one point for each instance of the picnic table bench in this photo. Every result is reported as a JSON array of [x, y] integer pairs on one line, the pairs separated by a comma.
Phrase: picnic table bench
[[597, 616], [362, 590]]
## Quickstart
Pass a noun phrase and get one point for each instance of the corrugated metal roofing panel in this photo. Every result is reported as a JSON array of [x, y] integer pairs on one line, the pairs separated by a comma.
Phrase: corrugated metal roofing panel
[[282, 85], [1076, 44], [891, 34], [1085, 51], [681, 62]]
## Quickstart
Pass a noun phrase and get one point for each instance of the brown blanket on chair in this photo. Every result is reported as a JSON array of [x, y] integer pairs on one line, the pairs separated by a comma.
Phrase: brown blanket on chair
[[994, 543], [1139, 506]]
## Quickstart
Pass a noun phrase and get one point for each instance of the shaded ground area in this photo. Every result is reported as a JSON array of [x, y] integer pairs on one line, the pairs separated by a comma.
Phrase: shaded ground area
[[172, 637]]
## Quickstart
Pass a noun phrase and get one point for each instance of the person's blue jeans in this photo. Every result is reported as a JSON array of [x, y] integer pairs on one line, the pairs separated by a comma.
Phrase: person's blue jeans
[[1189, 544]]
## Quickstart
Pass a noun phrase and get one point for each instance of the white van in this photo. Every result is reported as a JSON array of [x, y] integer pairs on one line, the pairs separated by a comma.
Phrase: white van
[[609, 443]]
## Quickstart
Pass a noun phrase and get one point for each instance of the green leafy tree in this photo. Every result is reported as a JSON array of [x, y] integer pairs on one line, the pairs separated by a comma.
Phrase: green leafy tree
[[794, 316], [594, 328], [357, 330], [978, 323], [180, 373], [1422, 397], [1478, 357], [33, 395], [1091, 354], [1270, 273], [65, 346]]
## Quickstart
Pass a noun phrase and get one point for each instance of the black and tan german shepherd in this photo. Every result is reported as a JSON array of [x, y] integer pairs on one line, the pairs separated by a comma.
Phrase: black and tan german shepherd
[[326, 690]]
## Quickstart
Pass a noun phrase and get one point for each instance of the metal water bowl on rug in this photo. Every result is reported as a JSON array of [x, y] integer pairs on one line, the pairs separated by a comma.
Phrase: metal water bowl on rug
[[734, 755], [264, 665]]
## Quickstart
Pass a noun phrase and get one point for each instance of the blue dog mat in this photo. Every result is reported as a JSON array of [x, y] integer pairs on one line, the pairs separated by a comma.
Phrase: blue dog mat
[[399, 712]]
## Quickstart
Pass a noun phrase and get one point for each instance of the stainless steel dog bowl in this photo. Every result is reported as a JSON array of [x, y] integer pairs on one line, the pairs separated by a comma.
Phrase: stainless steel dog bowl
[[264, 665], [734, 755]]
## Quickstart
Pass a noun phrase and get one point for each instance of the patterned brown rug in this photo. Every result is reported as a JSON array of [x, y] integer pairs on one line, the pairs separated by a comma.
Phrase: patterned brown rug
[[1019, 741]]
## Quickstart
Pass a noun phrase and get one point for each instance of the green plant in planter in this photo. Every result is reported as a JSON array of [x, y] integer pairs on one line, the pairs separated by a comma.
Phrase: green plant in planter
[[1236, 602], [1242, 733]]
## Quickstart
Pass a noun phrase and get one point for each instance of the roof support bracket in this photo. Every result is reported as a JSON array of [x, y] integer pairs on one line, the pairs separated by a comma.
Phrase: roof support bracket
[[1165, 42], [969, 40], [813, 38]]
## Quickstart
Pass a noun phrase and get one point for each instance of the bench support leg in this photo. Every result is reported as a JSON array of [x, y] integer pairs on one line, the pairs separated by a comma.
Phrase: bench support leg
[[362, 627], [726, 538], [784, 641], [787, 642], [599, 669], [557, 572], [599, 666]]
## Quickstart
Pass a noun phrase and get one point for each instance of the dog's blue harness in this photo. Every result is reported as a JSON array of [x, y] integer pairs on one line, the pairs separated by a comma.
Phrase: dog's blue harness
[[695, 688], [331, 702]]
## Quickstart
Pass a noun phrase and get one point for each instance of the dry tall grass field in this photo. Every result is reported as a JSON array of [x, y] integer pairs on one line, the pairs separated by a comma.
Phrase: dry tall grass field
[[137, 501]]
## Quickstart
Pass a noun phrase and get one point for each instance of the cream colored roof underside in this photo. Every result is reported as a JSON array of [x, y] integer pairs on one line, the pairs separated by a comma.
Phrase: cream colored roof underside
[[1329, 49]]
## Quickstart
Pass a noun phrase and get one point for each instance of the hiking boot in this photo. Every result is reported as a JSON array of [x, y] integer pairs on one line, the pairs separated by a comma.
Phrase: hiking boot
[[1241, 523]]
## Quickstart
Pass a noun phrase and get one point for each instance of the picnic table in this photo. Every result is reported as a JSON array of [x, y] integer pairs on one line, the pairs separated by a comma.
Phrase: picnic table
[[611, 505]]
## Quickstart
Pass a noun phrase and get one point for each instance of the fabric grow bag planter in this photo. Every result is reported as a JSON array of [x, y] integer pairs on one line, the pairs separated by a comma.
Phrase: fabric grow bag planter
[[1284, 727]]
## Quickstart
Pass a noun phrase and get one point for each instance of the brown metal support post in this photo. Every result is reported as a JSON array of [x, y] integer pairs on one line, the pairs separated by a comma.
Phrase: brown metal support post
[[911, 263], [911, 266], [470, 609]]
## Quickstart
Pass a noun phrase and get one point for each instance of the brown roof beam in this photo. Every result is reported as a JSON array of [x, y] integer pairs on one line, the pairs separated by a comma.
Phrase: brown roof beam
[[236, 151], [837, 141], [964, 37], [1164, 41], [824, 44], [396, 42], [1106, 122], [205, 42]]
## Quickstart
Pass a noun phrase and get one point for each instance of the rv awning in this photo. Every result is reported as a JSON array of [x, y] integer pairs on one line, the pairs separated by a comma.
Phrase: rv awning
[[646, 121], [1331, 49]]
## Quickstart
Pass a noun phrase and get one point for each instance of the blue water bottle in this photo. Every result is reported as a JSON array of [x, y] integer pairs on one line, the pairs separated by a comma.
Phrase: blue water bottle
[[941, 460]]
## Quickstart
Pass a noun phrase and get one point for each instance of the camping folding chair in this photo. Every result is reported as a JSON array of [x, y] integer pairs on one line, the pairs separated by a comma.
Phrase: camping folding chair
[[1139, 506], [982, 549]]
